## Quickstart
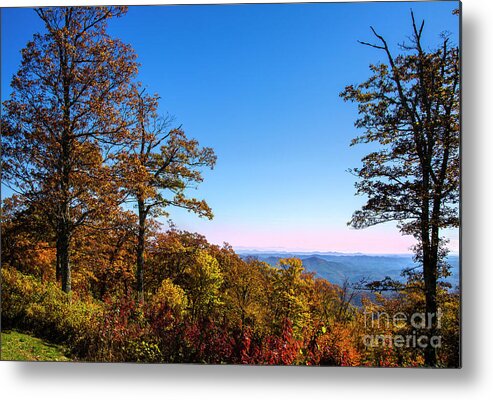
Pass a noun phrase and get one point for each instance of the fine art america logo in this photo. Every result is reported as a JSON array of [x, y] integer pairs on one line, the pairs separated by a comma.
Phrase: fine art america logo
[[419, 326]]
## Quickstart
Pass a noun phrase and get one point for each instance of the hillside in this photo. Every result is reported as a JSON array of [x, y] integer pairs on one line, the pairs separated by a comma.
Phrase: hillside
[[338, 267]]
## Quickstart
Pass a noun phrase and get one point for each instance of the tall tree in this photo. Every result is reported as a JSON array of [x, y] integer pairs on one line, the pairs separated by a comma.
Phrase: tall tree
[[410, 108], [67, 109], [159, 167]]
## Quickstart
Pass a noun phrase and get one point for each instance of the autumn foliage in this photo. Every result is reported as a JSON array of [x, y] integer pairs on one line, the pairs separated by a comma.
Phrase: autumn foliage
[[205, 304]]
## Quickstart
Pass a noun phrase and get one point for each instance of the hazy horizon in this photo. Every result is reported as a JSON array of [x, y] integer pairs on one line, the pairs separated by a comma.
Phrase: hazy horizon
[[246, 250]]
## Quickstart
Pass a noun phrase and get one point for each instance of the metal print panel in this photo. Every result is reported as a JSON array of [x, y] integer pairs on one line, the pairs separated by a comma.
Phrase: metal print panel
[[269, 184]]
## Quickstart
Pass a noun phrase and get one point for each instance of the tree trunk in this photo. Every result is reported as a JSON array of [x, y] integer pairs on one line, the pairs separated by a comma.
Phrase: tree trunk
[[58, 269], [64, 256], [429, 268], [431, 309], [140, 250], [64, 230], [431, 280], [65, 227]]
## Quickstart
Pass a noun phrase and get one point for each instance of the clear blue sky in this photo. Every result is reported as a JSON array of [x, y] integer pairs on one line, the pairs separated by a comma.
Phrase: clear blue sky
[[260, 84]]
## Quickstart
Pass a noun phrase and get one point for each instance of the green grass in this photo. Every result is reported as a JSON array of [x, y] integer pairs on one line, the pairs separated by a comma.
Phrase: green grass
[[23, 347]]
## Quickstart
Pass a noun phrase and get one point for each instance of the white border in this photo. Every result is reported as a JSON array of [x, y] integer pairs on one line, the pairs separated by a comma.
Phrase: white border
[[473, 381]]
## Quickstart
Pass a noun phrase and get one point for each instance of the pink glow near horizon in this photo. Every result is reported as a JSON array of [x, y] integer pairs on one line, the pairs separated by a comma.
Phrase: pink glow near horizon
[[378, 240]]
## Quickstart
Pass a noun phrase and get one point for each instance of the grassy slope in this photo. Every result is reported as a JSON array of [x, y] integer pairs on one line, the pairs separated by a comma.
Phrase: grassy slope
[[22, 347]]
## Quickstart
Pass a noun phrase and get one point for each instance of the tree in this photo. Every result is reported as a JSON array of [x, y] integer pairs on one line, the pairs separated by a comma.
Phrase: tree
[[23, 240], [158, 167], [103, 255], [67, 109], [204, 281], [290, 294], [410, 108]]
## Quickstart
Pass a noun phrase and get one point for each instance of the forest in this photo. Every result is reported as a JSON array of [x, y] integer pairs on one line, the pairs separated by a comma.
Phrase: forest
[[94, 168]]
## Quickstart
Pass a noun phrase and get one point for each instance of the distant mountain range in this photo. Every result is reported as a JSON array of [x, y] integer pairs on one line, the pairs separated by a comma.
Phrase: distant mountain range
[[337, 267]]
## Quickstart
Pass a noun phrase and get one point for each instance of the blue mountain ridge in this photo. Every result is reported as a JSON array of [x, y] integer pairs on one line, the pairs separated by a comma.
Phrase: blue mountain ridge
[[337, 267]]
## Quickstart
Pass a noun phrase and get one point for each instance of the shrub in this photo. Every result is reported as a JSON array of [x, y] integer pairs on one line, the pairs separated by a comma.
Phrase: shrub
[[144, 352], [47, 312]]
